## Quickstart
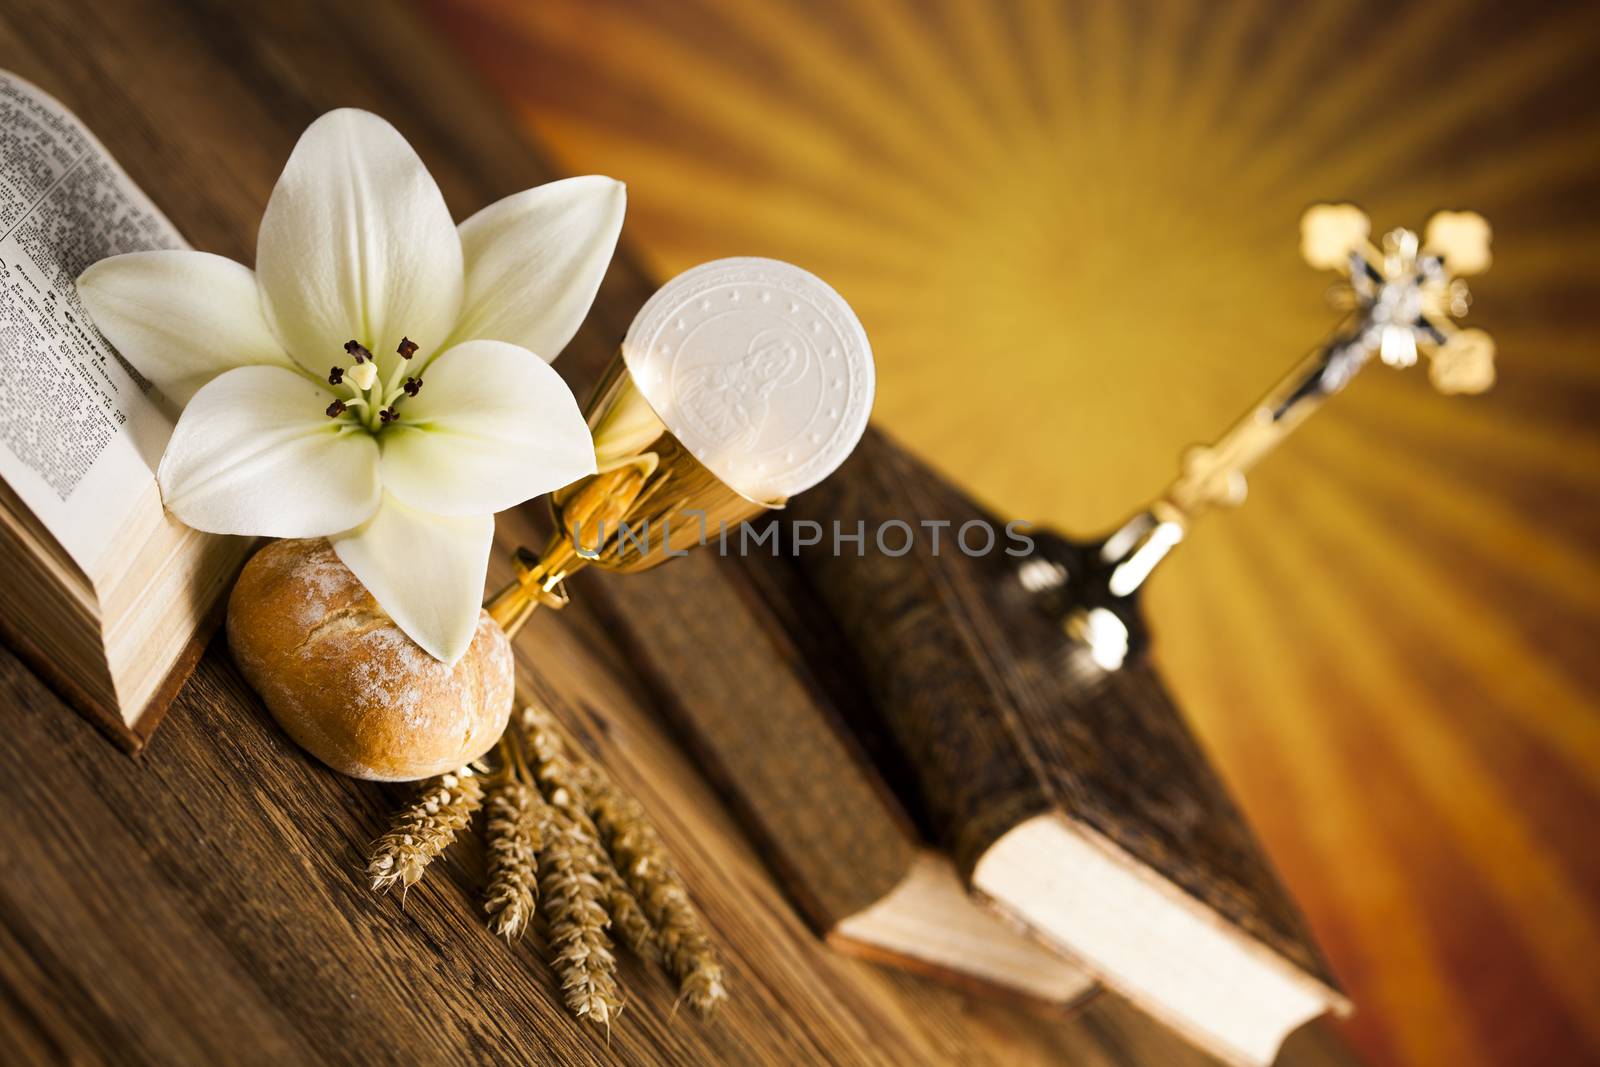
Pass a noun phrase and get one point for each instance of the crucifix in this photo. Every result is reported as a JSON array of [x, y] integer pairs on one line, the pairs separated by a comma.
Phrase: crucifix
[[1401, 297]]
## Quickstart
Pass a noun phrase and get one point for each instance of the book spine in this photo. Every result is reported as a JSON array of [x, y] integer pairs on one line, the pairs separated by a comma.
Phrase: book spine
[[738, 691], [925, 672]]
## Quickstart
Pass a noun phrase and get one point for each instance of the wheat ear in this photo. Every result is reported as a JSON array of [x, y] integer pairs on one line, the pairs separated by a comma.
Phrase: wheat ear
[[553, 767], [424, 829], [631, 925], [513, 815], [640, 856], [561, 776], [581, 952]]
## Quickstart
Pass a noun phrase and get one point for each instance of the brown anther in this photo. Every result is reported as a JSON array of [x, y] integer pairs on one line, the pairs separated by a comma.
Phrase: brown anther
[[358, 350], [412, 386], [335, 375], [336, 409], [407, 348], [388, 415]]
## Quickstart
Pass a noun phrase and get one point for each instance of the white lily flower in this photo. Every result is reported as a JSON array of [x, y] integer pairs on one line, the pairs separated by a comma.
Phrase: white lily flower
[[302, 382]]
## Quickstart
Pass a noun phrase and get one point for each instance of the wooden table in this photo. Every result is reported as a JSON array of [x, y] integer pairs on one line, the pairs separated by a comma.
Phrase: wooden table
[[204, 903]]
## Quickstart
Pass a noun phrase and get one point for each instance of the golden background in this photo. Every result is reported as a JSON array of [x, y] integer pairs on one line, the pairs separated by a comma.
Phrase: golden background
[[1071, 231]]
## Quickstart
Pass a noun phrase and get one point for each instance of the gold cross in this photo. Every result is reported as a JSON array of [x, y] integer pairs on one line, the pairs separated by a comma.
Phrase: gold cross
[[1403, 299]]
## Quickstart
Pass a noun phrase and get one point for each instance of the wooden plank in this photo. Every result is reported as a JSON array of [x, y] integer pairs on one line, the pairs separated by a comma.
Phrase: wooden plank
[[204, 903]]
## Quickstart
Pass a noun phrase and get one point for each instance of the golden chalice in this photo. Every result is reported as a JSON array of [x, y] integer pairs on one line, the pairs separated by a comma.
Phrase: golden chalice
[[740, 383]]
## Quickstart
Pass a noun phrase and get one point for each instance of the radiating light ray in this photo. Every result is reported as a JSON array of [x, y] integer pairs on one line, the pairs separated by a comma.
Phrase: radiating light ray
[[1567, 574], [723, 100], [906, 47], [1477, 427], [992, 68], [1405, 962], [1322, 112], [1553, 916], [1101, 72], [1548, 705], [1543, 161], [1157, 75], [1262, 95], [1051, 61], [1550, 259], [1400, 133], [783, 216], [1206, 87], [855, 92]]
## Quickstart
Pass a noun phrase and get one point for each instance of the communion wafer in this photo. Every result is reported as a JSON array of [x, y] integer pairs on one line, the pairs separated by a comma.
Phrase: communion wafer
[[759, 368]]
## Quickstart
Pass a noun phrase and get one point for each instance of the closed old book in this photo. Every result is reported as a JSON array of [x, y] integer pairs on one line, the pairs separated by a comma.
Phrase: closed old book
[[813, 798], [1079, 805], [937, 789]]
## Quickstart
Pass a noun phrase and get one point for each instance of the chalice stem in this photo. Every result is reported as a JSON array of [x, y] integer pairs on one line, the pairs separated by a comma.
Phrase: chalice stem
[[539, 581], [594, 508]]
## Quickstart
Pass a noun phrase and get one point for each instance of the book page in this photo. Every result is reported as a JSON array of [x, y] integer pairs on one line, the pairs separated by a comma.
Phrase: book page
[[80, 432]]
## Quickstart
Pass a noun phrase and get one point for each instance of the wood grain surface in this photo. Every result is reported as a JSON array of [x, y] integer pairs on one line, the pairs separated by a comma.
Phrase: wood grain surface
[[204, 903]]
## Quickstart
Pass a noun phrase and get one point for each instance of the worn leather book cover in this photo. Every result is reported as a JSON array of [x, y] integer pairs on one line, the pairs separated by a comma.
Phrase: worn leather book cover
[[755, 702], [860, 708], [969, 682]]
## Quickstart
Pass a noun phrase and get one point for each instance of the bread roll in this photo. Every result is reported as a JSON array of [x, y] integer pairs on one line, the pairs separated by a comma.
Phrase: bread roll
[[347, 683]]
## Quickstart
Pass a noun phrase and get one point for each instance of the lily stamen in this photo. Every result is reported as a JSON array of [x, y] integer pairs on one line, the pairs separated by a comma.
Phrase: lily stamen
[[378, 400], [336, 409], [391, 388], [362, 375]]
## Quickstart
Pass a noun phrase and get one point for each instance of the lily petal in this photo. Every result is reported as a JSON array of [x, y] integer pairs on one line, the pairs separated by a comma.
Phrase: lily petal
[[534, 262], [427, 571], [181, 318], [492, 427], [253, 453], [357, 243]]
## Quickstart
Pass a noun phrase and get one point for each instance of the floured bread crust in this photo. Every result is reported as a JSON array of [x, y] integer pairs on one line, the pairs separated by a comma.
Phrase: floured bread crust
[[347, 683]]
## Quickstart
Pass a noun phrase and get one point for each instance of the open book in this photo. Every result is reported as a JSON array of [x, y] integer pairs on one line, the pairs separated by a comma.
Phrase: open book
[[105, 595]]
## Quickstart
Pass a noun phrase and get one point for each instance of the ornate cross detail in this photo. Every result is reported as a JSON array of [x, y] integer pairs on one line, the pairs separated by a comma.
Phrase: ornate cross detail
[[1403, 299], [1409, 292]]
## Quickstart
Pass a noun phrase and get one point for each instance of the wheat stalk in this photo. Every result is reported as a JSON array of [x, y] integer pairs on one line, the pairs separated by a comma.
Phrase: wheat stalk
[[512, 824], [641, 858], [424, 829], [573, 903], [559, 830], [552, 767], [562, 778], [633, 927]]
